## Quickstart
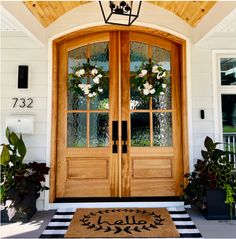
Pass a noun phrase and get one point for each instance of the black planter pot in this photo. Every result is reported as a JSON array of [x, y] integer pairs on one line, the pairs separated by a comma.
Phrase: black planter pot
[[216, 209], [20, 216]]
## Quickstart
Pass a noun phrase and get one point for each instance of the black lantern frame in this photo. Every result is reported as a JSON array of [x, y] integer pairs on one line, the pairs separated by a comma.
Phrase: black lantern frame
[[124, 9]]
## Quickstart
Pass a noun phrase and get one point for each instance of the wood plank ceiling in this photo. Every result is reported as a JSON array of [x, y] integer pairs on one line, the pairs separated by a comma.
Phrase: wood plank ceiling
[[190, 11]]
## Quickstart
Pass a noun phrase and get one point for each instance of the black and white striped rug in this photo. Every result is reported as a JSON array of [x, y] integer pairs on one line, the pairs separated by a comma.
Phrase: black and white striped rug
[[58, 225]]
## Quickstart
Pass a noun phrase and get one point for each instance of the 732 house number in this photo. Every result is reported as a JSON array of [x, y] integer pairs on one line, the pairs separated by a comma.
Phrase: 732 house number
[[22, 102]]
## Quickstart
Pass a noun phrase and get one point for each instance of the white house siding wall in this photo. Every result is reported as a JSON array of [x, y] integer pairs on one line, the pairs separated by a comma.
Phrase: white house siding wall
[[202, 88], [19, 49]]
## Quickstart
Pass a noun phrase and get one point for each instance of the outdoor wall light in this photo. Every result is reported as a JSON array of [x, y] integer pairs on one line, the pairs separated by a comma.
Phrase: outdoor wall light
[[128, 11]]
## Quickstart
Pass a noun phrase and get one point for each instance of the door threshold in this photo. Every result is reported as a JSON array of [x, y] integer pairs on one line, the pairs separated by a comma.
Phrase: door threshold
[[116, 199], [133, 202]]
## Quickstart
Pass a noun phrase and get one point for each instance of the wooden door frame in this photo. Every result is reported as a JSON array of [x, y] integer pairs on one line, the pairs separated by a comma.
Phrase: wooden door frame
[[93, 30]]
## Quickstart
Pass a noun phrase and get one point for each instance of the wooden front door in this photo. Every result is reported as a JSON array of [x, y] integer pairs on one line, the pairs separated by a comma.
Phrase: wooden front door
[[146, 131]]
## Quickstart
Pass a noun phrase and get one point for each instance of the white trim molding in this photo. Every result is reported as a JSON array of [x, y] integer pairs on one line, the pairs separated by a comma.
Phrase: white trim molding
[[218, 89], [220, 15], [23, 19]]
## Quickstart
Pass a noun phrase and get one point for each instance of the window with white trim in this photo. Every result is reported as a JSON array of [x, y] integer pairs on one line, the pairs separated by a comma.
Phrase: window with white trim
[[227, 101]]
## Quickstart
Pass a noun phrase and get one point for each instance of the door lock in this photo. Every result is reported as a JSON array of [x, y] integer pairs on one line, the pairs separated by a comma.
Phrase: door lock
[[115, 137], [124, 136]]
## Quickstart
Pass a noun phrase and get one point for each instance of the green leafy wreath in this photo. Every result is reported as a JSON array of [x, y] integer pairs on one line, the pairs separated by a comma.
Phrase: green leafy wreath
[[86, 80], [151, 79]]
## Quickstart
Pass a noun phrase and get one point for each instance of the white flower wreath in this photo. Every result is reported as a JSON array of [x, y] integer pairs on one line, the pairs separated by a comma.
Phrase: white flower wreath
[[150, 80], [81, 74]]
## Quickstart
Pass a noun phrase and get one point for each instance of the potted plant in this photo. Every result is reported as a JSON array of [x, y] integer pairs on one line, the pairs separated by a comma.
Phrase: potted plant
[[211, 186], [21, 183]]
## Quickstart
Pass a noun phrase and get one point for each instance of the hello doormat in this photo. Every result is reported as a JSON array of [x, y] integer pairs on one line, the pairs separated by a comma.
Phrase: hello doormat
[[61, 220], [110, 223]]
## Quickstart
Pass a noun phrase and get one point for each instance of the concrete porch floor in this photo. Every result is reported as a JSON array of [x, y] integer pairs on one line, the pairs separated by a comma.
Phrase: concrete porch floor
[[209, 229]]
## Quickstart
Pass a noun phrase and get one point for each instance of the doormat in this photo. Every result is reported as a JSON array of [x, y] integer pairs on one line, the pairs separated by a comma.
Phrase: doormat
[[128, 222], [59, 224]]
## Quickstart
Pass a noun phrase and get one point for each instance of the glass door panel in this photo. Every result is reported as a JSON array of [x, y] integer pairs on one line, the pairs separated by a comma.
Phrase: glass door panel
[[162, 57], [140, 129], [162, 129], [138, 55], [100, 58], [88, 117], [75, 57], [151, 117]]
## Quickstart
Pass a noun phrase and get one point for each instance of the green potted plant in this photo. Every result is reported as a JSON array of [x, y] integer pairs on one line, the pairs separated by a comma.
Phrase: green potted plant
[[211, 186], [21, 183]]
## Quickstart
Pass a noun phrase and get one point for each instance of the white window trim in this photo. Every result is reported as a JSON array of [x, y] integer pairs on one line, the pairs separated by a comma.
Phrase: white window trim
[[218, 89]]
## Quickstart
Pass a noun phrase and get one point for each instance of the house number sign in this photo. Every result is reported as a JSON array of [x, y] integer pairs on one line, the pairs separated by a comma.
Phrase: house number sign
[[22, 102]]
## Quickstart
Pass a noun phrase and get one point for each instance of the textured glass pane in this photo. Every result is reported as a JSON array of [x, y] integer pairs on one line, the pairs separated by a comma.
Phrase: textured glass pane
[[137, 102], [163, 101], [229, 113], [138, 55], [76, 57], [162, 129], [76, 130], [76, 102], [162, 57], [100, 55], [99, 129], [228, 71], [100, 58], [140, 129]]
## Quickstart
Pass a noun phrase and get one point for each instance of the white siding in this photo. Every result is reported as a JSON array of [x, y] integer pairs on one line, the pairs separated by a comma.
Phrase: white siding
[[17, 49], [202, 90]]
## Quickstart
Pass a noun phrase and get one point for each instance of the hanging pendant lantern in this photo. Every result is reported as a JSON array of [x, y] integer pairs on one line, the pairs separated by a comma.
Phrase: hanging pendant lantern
[[120, 12]]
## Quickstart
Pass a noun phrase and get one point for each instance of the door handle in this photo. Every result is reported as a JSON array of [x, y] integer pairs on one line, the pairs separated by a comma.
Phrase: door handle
[[124, 136], [115, 136]]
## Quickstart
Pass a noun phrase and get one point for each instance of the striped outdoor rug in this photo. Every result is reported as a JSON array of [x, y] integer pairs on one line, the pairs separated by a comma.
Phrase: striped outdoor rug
[[61, 220]]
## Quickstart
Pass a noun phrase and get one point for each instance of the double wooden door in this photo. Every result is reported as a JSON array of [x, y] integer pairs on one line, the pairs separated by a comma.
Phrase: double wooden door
[[119, 144]]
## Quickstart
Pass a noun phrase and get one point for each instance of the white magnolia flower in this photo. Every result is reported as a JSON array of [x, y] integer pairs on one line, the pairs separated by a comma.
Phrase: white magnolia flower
[[94, 71], [10, 164], [163, 85], [94, 93], [99, 76], [159, 76], [147, 86], [80, 72], [162, 93], [100, 90], [139, 88], [164, 74], [133, 104], [88, 86], [96, 80], [155, 69], [90, 95], [106, 106], [146, 91], [86, 92], [81, 86], [144, 72], [152, 91], [8, 203]]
